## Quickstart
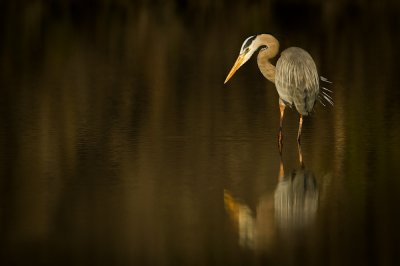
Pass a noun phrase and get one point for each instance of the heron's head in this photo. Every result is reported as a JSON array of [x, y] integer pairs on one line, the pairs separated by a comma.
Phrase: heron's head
[[248, 48]]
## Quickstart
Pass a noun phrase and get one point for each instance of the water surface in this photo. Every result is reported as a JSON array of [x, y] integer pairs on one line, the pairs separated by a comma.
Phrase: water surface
[[121, 145]]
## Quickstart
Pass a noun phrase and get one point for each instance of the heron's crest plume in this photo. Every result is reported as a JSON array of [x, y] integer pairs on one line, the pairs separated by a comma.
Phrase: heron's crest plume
[[247, 43]]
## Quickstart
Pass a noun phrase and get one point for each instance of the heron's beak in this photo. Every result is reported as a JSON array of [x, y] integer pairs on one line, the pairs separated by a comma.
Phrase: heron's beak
[[236, 66]]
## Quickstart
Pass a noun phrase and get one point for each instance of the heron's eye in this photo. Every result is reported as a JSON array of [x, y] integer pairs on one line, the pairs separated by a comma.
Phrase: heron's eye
[[247, 50]]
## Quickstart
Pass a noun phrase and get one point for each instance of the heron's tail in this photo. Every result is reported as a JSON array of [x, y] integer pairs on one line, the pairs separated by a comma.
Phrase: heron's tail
[[324, 95]]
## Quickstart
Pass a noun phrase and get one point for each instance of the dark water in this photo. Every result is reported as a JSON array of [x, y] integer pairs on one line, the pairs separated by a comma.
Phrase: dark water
[[120, 145]]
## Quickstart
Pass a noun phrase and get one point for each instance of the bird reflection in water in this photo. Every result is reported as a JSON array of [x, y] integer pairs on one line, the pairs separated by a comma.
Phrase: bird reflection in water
[[287, 212], [295, 198]]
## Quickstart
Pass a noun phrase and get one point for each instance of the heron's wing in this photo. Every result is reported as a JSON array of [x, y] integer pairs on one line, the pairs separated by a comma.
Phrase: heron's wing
[[297, 80]]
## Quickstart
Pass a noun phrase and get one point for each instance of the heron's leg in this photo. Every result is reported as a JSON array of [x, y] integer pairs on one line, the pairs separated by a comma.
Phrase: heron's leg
[[282, 109], [300, 126], [280, 137]]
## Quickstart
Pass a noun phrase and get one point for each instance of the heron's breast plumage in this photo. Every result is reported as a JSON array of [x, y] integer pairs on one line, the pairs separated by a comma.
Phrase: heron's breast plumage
[[296, 79]]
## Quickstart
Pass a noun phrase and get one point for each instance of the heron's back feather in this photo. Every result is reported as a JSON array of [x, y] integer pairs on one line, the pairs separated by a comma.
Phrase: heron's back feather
[[297, 80]]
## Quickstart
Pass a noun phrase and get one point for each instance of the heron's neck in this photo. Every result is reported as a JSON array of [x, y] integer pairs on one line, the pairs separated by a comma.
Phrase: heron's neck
[[272, 44]]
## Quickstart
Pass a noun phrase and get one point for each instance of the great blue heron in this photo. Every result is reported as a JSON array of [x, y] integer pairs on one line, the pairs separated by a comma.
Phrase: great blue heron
[[295, 75]]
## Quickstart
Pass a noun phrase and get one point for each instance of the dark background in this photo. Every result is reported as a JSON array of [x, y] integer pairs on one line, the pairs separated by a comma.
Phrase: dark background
[[118, 137]]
